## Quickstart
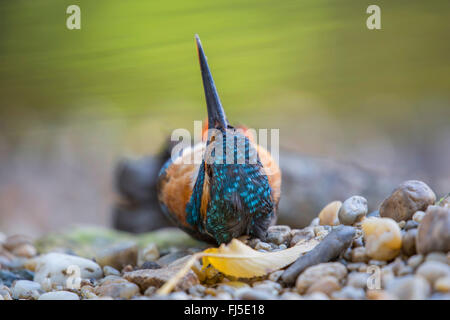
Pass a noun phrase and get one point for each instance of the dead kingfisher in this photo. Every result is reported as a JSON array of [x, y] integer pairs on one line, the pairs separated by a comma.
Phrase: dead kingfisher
[[230, 193]]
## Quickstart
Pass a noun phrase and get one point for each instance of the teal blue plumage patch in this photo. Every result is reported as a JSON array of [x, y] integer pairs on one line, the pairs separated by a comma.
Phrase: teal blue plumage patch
[[240, 194]]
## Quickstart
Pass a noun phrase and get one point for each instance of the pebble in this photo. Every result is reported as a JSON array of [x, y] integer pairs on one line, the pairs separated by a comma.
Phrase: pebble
[[117, 289], [149, 253], [59, 295], [25, 250], [118, 255], [268, 286], [418, 216], [291, 296], [25, 289], [253, 294], [358, 279], [15, 241], [434, 231], [316, 272], [304, 234], [329, 214], [110, 271], [359, 255], [352, 210], [409, 288], [409, 197], [326, 285], [411, 224], [8, 277], [379, 295], [157, 277], [349, 293], [263, 246], [433, 270], [167, 259], [382, 237], [438, 256], [279, 235], [409, 242], [442, 284], [415, 260], [57, 267], [5, 293]]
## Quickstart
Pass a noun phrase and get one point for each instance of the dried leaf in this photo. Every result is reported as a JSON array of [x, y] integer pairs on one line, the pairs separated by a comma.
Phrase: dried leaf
[[239, 260]]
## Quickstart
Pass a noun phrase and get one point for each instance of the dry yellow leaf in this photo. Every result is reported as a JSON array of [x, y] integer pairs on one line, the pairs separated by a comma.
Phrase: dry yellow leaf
[[239, 260]]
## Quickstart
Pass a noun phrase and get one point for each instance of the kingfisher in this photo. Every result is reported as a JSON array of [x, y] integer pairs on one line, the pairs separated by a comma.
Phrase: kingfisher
[[234, 188]]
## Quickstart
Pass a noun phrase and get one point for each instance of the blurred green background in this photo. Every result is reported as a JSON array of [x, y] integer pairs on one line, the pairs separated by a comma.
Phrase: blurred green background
[[73, 101]]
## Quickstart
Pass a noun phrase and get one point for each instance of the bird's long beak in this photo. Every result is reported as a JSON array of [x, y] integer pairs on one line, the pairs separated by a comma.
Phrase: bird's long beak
[[216, 114]]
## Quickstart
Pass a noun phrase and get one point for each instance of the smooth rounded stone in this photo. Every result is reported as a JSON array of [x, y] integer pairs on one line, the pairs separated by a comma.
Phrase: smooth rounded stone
[[157, 277], [7, 277], [442, 284], [197, 290], [325, 285], [401, 224], [409, 197], [224, 296], [291, 296], [167, 259], [379, 295], [304, 234], [356, 266], [440, 296], [349, 293], [315, 273], [59, 295], [434, 231], [150, 291], [375, 213], [117, 289], [359, 255], [279, 235], [411, 224], [149, 253], [358, 242], [409, 288], [352, 210], [316, 296], [314, 222], [110, 271], [329, 214], [253, 294], [15, 241], [5, 293], [87, 292], [263, 246], [415, 260], [409, 242], [382, 237], [25, 289], [150, 265], [418, 216], [358, 279], [267, 286], [438, 256], [179, 295], [433, 270], [56, 268], [118, 255], [25, 250], [275, 276]]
